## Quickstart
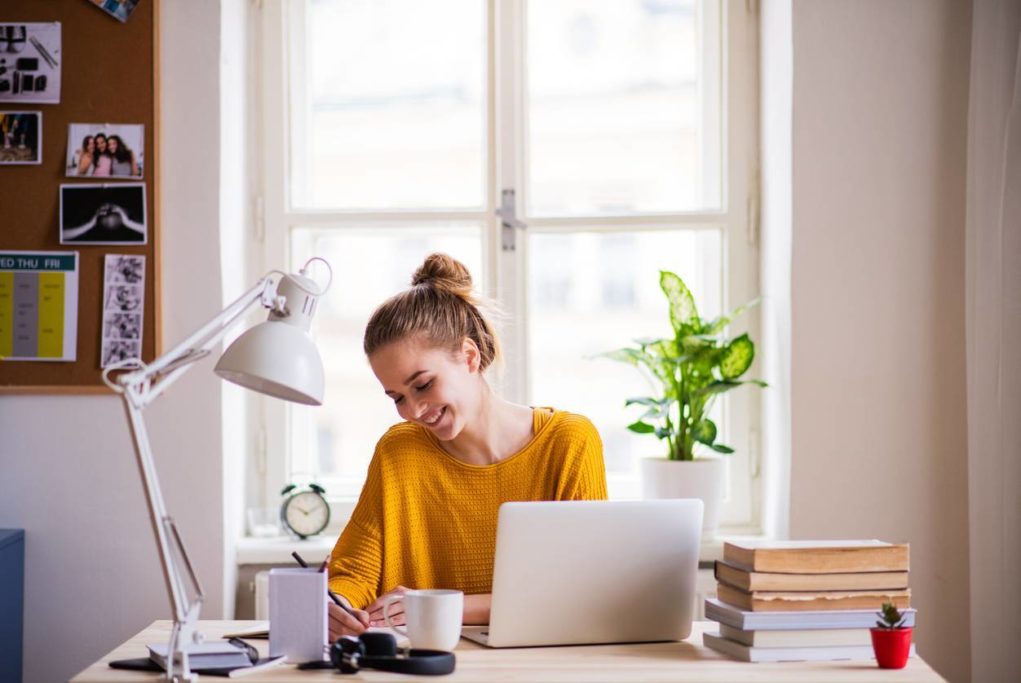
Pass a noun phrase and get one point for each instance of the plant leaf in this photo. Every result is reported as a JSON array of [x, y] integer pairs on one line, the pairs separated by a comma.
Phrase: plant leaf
[[641, 428], [737, 357], [682, 303], [625, 355], [663, 432], [720, 448], [718, 324], [643, 401], [704, 431]]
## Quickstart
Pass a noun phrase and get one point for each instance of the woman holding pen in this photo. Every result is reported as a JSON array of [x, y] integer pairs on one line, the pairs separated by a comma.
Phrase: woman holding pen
[[426, 517]]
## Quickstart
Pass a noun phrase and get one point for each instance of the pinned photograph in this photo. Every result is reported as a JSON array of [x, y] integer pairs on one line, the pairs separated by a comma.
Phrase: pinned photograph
[[21, 137], [119, 349], [118, 9], [125, 270], [105, 150], [103, 214], [122, 325], [123, 308], [30, 62], [123, 298]]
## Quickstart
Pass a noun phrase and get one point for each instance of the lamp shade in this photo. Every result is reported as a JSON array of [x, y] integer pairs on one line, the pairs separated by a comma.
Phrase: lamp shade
[[277, 359]]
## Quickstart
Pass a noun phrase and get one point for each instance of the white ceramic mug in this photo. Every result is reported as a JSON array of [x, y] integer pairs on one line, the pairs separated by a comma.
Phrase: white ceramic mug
[[433, 616]]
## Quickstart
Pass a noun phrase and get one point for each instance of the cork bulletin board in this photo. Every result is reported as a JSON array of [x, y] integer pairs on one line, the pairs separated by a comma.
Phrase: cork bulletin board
[[108, 76]]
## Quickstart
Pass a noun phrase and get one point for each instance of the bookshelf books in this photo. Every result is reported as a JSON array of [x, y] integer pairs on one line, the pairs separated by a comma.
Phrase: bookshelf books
[[815, 619]]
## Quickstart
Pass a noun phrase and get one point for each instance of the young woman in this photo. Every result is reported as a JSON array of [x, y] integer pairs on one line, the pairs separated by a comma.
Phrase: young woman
[[101, 159], [83, 157], [427, 514], [123, 158]]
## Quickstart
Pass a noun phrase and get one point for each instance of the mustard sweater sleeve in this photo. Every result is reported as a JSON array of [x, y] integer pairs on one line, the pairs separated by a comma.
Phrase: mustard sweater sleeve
[[357, 558]]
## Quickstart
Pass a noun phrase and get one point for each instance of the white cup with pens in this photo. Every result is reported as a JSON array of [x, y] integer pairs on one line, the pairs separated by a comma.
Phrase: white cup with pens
[[433, 618]]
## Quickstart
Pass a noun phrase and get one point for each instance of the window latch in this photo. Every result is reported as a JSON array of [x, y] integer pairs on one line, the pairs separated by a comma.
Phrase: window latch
[[509, 221]]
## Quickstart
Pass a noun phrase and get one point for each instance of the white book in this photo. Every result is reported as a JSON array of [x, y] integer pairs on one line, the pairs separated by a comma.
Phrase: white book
[[822, 637], [796, 620], [212, 654], [787, 654]]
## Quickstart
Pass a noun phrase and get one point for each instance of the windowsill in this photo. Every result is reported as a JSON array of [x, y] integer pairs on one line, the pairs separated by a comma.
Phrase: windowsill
[[314, 550]]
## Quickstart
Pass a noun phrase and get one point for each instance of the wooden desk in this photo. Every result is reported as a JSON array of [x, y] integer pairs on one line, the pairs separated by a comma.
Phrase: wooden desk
[[673, 662]]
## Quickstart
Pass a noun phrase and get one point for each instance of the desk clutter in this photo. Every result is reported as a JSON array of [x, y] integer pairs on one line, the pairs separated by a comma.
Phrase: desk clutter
[[783, 601]]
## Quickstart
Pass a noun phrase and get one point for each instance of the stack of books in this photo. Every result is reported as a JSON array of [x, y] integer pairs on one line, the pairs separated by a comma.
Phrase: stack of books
[[805, 600]]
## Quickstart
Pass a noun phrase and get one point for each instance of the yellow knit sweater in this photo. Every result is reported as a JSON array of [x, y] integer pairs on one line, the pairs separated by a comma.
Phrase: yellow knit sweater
[[427, 520]]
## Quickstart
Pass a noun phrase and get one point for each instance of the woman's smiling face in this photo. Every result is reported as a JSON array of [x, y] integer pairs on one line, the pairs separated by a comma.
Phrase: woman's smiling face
[[434, 387]]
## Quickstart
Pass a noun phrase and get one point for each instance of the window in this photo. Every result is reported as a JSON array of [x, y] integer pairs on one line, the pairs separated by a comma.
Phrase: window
[[619, 133]]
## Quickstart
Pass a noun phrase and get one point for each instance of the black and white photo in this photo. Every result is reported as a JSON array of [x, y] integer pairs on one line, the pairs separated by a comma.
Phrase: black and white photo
[[123, 307], [105, 150], [103, 214], [125, 269], [21, 137], [30, 60], [119, 349]]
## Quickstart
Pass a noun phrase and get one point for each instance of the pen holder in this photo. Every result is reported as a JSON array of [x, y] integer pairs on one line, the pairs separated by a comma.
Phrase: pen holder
[[297, 614]]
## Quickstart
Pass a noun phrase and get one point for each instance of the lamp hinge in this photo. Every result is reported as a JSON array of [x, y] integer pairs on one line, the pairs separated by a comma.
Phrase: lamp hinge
[[509, 221], [259, 219], [754, 213]]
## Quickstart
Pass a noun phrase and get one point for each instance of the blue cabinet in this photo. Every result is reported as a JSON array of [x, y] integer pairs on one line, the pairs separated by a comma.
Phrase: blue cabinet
[[12, 603]]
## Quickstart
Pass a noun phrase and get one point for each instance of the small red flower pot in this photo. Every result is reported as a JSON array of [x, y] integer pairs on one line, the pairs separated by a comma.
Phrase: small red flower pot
[[891, 646]]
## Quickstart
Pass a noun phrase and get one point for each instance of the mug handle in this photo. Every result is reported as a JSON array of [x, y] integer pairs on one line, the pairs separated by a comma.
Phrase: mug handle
[[386, 614]]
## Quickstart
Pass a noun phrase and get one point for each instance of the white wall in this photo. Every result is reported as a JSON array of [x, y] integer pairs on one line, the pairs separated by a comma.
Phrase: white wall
[[878, 377], [67, 470]]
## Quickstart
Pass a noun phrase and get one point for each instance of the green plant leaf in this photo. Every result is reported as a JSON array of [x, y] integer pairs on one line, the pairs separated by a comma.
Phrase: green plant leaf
[[704, 431], [718, 324], [737, 357], [625, 355], [641, 428], [682, 303], [720, 448], [643, 401], [663, 432]]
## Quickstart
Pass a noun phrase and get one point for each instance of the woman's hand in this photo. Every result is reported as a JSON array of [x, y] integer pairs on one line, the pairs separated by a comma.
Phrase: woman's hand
[[476, 609], [396, 610], [343, 624]]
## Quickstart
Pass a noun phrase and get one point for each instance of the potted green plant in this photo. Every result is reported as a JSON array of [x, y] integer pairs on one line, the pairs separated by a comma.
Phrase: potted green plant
[[891, 639], [688, 371]]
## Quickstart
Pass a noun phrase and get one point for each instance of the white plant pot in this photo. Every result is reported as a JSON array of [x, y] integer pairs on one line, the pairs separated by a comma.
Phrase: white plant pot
[[704, 479]]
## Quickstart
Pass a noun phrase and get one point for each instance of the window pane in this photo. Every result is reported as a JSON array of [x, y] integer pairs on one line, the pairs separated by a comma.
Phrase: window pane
[[387, 105], [334, 442], [594, 292], [623, 106]]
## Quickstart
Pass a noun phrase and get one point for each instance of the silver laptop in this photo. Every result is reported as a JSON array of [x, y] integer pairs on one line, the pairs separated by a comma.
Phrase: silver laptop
[[580, 572]]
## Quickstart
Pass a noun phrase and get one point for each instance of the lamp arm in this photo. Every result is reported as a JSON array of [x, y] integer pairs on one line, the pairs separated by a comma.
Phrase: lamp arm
[[154, 378]]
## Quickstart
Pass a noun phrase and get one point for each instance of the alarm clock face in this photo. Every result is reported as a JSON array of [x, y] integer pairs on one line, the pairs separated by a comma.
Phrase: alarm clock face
[[306, 513]]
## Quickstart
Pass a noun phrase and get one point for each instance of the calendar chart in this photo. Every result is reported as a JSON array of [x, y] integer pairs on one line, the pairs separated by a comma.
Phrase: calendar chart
[[38, 305]]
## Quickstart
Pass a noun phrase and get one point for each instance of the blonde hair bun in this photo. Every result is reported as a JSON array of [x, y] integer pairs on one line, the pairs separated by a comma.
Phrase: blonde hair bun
[[444, 273]]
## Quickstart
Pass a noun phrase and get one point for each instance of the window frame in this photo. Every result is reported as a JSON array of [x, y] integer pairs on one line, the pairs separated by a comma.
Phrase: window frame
[[506, 270]]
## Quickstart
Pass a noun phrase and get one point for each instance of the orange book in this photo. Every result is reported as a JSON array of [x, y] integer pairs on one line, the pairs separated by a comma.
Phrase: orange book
[[790, 601], [772, 581], [817, 557]]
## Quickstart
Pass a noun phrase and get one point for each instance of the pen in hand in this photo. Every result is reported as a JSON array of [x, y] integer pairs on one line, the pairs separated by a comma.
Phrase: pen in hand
[[333, 596]]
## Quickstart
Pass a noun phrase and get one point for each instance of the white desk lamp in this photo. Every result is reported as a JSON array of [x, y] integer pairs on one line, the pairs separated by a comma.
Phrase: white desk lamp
[[276, 357]]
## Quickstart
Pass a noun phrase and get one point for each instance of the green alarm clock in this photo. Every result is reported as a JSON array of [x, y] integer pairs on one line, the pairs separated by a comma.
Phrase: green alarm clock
[[304, 512]]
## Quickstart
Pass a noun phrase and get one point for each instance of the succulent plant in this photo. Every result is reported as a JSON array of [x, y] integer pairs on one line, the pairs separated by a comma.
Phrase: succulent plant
[[892, 618], [690, 369]]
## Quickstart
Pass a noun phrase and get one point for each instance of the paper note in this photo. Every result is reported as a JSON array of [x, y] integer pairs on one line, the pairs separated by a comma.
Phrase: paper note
[[38, 305]]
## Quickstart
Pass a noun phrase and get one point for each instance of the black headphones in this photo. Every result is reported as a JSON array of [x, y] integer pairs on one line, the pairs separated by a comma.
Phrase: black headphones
[[379, 651]]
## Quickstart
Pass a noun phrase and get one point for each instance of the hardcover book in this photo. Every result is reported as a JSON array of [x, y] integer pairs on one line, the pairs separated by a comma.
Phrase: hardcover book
[[803, 637], [772, 581], [780, 601], [754, 621], [817, 557], [787, 654]]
